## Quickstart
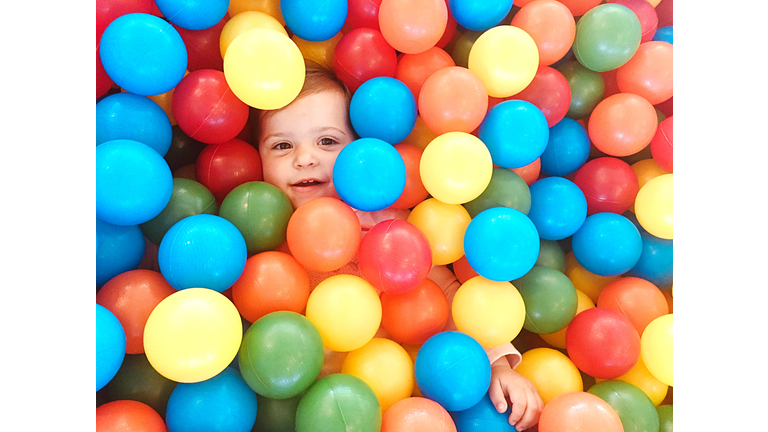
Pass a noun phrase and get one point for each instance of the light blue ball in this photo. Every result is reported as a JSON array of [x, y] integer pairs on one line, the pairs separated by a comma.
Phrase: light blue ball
[[223, 403], [193, 14], [607, 244], [515, 132], [110, 346], [567, 150], [479, 15], [558, 207], [118, 250], [656, 260], [383, 108], [483, 417], [314, 20], [202, 251], [133, 117], [369, 174], [663, 34]]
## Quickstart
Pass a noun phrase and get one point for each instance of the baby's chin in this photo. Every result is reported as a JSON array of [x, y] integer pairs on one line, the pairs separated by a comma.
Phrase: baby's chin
[[298, 199]]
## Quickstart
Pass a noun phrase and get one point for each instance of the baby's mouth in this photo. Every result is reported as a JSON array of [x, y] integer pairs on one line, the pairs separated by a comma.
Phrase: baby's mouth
[[307, 183]]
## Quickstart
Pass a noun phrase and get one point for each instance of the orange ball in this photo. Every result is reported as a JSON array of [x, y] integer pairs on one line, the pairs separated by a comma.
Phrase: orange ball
[[453, 99], [323, 234], [648, 73], [640, 300], [271, 281], [413, 27], [579, 412], [128, 416], [529, 173], [414, 316], [417, 414], [580, 7], [551, 25], [132, 296], [463, 270], [414, 191], [421, 135], [414, 69], [622, 124]]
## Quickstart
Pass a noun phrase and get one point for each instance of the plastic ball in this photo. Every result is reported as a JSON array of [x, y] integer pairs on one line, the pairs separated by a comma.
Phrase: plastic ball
[[463, 45], [653, 206], [281, 355], [640, 300], [276, 415], [515, 132], [453, 99], [609, 185], [557, 339], [661, 144], [622, 124], [551, 371], [589, 283], [452, 369], [244, 21], [363, 13], [138, 381], [131, 296], [128, 416], [444, 225], [264, 68], [222, 167], [648, 73], [656, 344], [390, 103], [346, 310], [412, 27], [501, 244], [567, 150], [414, 316], [578, 411], [529, 173], [508, 74], [118, 249], [456, 167], [203, 46], [551, 255], [386, 367], [188, 198], [103, 82], [483, 417], [550, 300], [133, 117], [202, 251], [665, 418], [108, 10], [551, 25], [506, 189], [558, 208], [110, 346], [192, 335], [414, 69], [314, 21], [493, 313], [578, 7], [549, 92], [656, 261], [193, 15], [607, 36], [210, 404], [587, 89], [362, 54], [135, 68], [646, 14], [339, 402], [414, 191], [479, 15], [641, 377], [271, 7], [607, 244], [133, 182], [635, 408], [318, 52], [602, 343], [323, 234], [664, 34], [417, 414]]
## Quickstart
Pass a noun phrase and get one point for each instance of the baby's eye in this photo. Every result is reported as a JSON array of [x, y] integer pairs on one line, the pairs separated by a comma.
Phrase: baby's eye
[[281, 146], [327, 141]]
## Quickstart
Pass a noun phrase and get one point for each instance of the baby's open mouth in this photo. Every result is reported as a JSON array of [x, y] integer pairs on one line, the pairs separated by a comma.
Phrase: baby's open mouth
[[307, 183]]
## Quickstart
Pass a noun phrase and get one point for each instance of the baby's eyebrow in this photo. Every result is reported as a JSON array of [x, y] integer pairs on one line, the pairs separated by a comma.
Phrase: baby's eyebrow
[[328, 128]]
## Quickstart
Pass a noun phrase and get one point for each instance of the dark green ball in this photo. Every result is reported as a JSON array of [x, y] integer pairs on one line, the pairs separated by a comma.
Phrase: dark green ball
[[506, 189], [587, 89], [339, 402], [665, 417], [551, 255], [550, 299], [276, 415], [188, 198], [635, 409], [137, 380]]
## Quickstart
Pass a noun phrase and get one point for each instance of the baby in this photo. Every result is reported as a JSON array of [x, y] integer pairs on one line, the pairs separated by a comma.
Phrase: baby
[[299, 144]]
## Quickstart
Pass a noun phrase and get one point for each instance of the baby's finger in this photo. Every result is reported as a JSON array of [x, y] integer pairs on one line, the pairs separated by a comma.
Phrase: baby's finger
[[530, 416], [518, 409], [497, 396]]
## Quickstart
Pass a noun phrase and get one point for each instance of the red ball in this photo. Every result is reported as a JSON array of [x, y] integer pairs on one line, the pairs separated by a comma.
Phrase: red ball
[[414, 191], [636, 298], [646, 14], [550, 92], [362, 54], [450, 30], [414, 316], [463, 270], [128, 416], [609, 185], [602, 343], [103, 81], [661, 145], [362, 14], [108, 10], [395, 256], [206, 109], [664, 12], [203, 49], [414, 69], [223, 167]]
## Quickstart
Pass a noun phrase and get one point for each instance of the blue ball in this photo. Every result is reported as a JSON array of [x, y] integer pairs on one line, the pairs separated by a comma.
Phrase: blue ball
[[567, 150], [501, 244], [110, 346], [607, 244], [453, 370], [193, 14], [663, 34], [655, 263], [133, 182], [118, 250], [483, 417], [314, 21], [369, 174], [223, 403], [558, 207], [515, 132], [383, 108], [133, 117], [479, 15], [202, 251], [143, 54]]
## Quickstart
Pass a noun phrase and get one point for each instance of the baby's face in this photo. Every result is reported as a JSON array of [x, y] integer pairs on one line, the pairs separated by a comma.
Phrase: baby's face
[[299, 145]]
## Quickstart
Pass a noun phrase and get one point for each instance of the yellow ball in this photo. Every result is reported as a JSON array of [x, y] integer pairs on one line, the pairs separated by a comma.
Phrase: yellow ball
[[456, 167], [557, 339], [318, 52], [506, 59], [386, 367], [346, 310], [192, 335], [551, 371], [584, 280], [271, 7], [653, 206], [656, 348], [444, 226], [264, 68], [645, 381], [645, 170], [244, 21], [493, 313]]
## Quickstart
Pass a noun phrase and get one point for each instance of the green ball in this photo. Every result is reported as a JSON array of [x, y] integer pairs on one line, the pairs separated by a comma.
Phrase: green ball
[[188, 198], [137, 380], [184, 150], [339, 402], [551, 255], [261, 212], [506, 189], [281, 355], [665, 417], [462, 46], [607, 36], [634, 407], [587, 89], [276, 415], [550, 299]]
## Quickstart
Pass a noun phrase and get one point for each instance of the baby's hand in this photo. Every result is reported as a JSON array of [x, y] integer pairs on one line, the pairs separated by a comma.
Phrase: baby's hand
[[508, 385]]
